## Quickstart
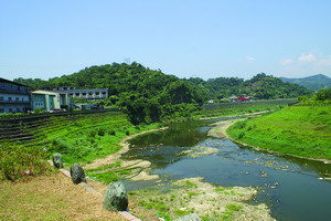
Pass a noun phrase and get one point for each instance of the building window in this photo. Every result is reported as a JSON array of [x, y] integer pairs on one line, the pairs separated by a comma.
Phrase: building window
[[103, 92], [1, 98], [2, 110], [90, 93], [10, 110], [18, 109], [9, 98], [77, 94], [71, 94], [97, 93], [17, 99], [84, 94]]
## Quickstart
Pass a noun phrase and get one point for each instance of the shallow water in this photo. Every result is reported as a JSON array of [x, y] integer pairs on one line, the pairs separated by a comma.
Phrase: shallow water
[[292, 188]]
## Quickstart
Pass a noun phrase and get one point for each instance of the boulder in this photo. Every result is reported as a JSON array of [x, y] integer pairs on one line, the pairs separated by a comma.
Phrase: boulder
[[77, 174], [190, 217], [116, 197], [57, 160]]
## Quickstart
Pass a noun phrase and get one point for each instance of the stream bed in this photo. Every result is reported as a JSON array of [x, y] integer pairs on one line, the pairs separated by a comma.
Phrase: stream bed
[[294, 189]]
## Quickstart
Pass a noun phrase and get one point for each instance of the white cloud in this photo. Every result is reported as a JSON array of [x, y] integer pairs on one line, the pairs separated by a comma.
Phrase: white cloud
[[286, 61], [305, 63], [250, 59], [307, 58]]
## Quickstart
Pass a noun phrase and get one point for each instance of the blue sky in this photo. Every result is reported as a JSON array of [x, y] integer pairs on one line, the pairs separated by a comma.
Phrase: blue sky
[[187, 38]]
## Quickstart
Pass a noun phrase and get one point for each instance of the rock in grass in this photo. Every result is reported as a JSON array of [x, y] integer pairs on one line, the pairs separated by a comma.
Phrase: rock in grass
[[190, 217], [57, 160], [116, 197], [77, 174]]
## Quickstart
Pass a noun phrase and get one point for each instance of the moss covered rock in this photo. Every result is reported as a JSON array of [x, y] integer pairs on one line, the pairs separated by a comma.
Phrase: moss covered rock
[[77, 174], [116, 197], [57, 160]]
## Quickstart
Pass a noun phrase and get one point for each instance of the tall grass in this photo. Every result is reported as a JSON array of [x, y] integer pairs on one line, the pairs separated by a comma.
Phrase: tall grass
[[297, 130]]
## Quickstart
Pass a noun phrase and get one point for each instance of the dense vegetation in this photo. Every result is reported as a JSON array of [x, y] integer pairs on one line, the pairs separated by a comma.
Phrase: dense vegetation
[[302, 130], [314, 82], [261, 86], [150, 95], [321, 97]]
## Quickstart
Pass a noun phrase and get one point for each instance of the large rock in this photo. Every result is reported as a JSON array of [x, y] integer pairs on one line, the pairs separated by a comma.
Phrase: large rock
[[57, 160], [116, 197], [190, 217], [77, 174]]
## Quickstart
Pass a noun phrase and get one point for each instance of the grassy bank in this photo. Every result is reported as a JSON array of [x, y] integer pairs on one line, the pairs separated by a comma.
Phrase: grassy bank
[[303, 131], [80, 139], [86, 138], [229, 109]]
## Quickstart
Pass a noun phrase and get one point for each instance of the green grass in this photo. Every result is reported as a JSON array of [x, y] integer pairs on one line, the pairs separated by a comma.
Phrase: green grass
[[84, 138], [303, 131]]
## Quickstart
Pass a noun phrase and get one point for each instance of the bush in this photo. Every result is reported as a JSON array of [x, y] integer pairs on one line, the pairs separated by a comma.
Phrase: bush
[[241, 135], [17, 161], [241, 124], [127, 132], [101, 132], [92, 133], [112, 132]]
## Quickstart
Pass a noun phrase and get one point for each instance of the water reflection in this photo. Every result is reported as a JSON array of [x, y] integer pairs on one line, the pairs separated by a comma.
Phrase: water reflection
[[290, 186]]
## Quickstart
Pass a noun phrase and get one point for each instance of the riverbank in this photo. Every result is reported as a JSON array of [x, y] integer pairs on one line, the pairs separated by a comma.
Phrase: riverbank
[[136, 170], [298, 131], [52, 198]]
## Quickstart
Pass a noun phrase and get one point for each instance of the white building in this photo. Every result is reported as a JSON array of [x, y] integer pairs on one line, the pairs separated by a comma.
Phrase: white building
[[98, 93]]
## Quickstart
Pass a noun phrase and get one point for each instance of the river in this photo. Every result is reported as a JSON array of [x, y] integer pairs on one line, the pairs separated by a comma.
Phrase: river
[[294, 189]]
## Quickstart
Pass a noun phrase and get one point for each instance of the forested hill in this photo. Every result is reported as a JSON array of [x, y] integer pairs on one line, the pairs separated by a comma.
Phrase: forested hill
[[314, 82], [125, 80], [135, 80], [261, 86]]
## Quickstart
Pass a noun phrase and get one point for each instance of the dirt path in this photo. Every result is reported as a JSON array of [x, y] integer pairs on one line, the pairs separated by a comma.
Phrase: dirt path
[[220, 127]]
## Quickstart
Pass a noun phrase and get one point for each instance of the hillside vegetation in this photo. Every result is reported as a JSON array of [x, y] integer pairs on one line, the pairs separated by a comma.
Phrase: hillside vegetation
[[150, 95], [297, 130], [261, 86]]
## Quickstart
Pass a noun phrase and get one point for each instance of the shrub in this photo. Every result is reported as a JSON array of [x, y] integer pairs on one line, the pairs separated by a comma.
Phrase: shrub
[[60, 145], [112, 132], [127, 132], [241, 124], [101, 132], [17, 161], [92, 133], [241, 135]]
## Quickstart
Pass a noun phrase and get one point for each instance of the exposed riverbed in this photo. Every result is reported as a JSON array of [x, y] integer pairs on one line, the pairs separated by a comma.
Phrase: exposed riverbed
[[294, 189]]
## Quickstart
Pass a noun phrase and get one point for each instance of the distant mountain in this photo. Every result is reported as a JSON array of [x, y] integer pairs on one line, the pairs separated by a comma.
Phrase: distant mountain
[[314, 82]]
